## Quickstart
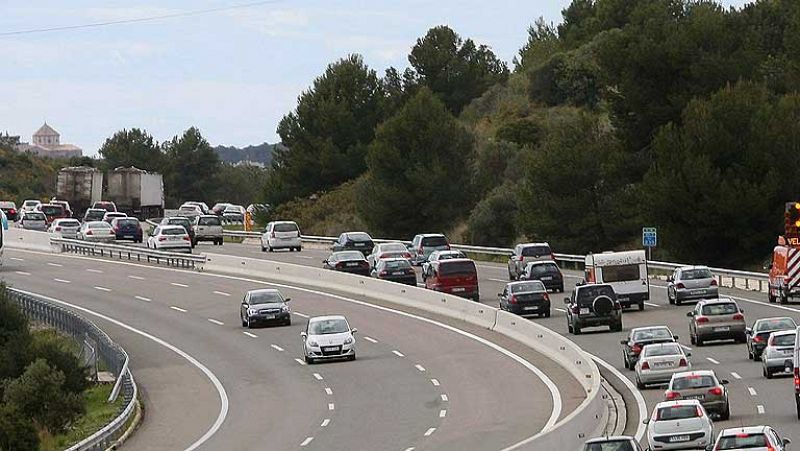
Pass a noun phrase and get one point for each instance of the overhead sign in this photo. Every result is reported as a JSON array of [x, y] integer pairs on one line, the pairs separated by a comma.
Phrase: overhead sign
[[649, 237]]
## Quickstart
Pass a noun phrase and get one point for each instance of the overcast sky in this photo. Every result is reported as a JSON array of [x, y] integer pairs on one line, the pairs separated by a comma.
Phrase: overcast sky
[[232, 73]]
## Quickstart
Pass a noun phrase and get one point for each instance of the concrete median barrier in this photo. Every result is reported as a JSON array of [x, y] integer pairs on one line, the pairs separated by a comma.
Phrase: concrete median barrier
[[32, 240]]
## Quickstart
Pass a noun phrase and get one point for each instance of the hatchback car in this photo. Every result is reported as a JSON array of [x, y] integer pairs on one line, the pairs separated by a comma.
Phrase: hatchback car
[[170, 238], [111, 215], [30, 204], [234, 213], [759, 332], [328, 337], [612, 443], [96, 231], [424, 244], [527, 297], [281, 235], [127, 228], [439, 255], [593, 305], [388, 250], [778, 356], [347, 261], [65, 205], [547, 271], [702, 386], [52, 211], [94, 214], [691, 282], [354, 241], [65, 228], [458, 276], [202, 205], [658, 362], [189, 211], [9, 209], [265, 306], [106, 205], [751, 438], [526, 253], [33, 220], [182, 221], [682, 424], [395, 270], [208, 228], [716, 319], [640, 337]]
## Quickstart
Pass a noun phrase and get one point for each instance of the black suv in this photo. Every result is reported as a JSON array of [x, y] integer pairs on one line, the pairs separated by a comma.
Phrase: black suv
[[593, 305]]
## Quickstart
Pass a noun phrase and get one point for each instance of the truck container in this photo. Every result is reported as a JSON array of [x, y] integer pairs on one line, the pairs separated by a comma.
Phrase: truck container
[[81, 186], [136, 192]]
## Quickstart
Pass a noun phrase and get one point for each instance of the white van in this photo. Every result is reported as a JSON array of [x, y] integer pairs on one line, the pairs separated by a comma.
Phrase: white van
[[626, 272]]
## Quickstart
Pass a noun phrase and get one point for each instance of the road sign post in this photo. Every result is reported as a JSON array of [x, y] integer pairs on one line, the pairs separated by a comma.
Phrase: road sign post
[[649, 240]]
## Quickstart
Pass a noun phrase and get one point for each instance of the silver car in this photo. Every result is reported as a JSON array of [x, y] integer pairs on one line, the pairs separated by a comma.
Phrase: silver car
[[691, 282], [33, 220], [717, 319], [328, 337], [526, 253], [778, 356], [97, 231], [439, 255], [281, 235], [424, 244], [65, 228], [612, 443], [751, 438], [658, 362], [388, 250]]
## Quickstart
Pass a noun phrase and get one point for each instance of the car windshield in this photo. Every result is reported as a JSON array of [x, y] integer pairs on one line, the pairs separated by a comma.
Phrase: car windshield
[[99, 225], [173, 231], [328, 326], [93, 215], [610, 445], [536, 251], [35, 216], [115, 215], [393, 247], [7, 205], [447, 255], [661, 350], [783, 340], [693, 381], [776, 324], [127, 222], [31, 203], [180, 222], [397, 264], [69, 223], [742, 441], [697, 273], [347, 255], [189, 208], [51, 210], [265, 297], [620, 273], [677, 412], [661, 333], [209, 221], [434, 241], [460, 268], [544, 269], [527, 286], [727, 308], [358, 236], [285, 227], [589, 293]]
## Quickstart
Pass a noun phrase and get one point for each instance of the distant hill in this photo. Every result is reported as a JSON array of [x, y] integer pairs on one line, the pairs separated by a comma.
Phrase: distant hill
[[261, 153]]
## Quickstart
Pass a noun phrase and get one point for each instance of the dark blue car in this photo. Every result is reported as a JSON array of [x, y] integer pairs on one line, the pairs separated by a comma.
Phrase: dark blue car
[[127, 229]]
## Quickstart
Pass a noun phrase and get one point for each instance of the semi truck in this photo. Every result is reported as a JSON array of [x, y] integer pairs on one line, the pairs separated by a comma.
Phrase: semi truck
[[81, 186], [136, 192]]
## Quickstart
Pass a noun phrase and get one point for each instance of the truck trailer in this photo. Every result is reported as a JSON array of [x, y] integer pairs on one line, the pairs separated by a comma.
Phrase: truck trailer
[[136, 192], [81, 186]]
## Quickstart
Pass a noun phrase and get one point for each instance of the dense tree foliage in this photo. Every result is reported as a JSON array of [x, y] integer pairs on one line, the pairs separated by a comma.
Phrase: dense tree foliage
[[132, 147], [190, 169]]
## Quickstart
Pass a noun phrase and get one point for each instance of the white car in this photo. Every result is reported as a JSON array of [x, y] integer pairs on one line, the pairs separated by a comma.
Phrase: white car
[[189, 211], [388, 250], [680, 424], [33, 220], [658, 362], [328, 337], [612, 443], [170, 238], [96, 231], [281, 235], [751, 438], [65, 228], [778, 355], [112, 215], [30, 205]]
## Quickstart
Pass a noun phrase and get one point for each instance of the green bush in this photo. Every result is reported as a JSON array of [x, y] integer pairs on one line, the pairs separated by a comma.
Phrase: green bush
[[59, 353], [17, 432], [493, 221]]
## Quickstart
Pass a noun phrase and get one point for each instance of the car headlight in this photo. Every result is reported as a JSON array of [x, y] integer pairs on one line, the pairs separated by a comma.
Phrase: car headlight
[[285, 308], [312, 344], [348, 340], [252, 311]]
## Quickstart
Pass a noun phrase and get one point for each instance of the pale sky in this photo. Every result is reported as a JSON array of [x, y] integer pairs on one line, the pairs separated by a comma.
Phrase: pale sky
[[233, 74]]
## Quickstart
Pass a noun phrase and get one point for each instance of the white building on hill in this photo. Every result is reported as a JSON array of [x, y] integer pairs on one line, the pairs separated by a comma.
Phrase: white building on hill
[[47, 143]]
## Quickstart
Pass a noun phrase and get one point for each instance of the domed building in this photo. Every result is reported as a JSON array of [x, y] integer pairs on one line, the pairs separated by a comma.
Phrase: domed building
[[47, 143]]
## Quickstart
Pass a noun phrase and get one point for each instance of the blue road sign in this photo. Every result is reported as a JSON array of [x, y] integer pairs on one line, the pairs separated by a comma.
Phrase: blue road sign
[[649, 237]]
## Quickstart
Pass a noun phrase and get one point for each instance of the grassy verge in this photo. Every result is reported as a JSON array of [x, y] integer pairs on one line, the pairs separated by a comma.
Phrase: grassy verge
[[98, 413], [233, 239]]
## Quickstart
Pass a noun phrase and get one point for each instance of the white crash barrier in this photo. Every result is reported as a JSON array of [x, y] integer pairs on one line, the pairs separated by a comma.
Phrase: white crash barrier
[[586, 421], [17, 238]]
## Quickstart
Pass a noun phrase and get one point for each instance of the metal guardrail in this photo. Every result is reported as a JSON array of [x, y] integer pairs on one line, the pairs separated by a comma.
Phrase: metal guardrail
[[130, 252], [111, 354]]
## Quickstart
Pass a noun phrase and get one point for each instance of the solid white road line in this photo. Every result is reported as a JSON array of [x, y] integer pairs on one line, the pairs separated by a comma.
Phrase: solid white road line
[[641, 405], [686, 347], [96, 271], [735, 375], [429, 432], [102, 289], [55, 264], [300, 361], [325, 422], [410, 449], [714, 361], [497, 280], [651, 304], [222, 293], [250, 334], [752, 391], [136, 277], [17, 259], [560, 309], [177, 309], [331, 406], [445, 398], [435, 382], [215, 321], [328, 391], [420, 367], [307, 441], [301, 315], [142, 298], [317, 376], [442, 413], [23, 273], [182, 285], [223, 396], [760, 409], [398, 353], [277, 348], [782, 307], [62, 281], [370, 339]]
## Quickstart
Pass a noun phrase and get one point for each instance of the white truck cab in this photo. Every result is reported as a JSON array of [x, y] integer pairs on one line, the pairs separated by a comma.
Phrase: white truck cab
[[625, 271]]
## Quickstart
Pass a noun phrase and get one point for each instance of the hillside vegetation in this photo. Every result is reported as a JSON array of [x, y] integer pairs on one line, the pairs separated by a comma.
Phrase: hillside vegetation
[[670, 113]]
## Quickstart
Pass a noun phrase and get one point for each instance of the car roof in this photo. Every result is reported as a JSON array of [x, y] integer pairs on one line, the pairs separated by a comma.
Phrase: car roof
[[679, 402], [428, 235], [393, 243], [592, 285], [182, 218], [325, 318], [263, 290], [452, 261], [542, 262], [171, 226], [95, 209], [695, 373], [543, 243], [208, 216], [283, 222], [692, 267], [103, 223], [611, 438], [784, 332], [392, 259], [772, 318], [720, 300], [639, 329], [522, 282], [743, 430]]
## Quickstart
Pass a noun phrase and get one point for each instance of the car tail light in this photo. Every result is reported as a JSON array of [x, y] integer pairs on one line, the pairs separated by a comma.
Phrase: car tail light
[[702, 319], [406, 255], [713, 282], [757, 339], [521, 258], [680, 286], [12, 211], [339, 265], [738, 317], [716, 391], [637, 348], [58, 228], [699, 412], [383, 273], [683, 362], [796, 379], [645, 366], [546, 297], [672, 395], [576, 310], [162, 238], [513, 299], [89, 232], [186, 238]]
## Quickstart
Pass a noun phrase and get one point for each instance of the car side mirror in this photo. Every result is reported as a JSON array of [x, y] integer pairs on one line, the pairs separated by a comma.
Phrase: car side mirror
[[566, 300], [580, 283], [245, 304], [690, 314], [748, 331], [324, 261], [741, 310], [786, 441], [499, 295], [646, 421], [670, 279], [353, 330], [688, 354], [675, 337], [623, 342], [287, 299], [724, 382], [303, 334]]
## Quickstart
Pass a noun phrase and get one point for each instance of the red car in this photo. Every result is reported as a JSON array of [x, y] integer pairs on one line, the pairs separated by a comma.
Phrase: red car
[[64, 204], [52, 212], [457, 276], [10, 209]]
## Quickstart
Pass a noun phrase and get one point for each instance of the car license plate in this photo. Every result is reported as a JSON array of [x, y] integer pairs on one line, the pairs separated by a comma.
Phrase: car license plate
[[702, 291], [584, 311], [360, 244], [698, 397], [547, 278], [128, 236], [459, 289], [722, 329], [679, 438], [623, 299], [531, 308], [352, 264], [330, 348], [398, 273], [788, 351], [662, 364]]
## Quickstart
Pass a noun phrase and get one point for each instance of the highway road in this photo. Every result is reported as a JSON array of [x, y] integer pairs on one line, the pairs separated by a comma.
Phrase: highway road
[[754, 399], [416, 384]]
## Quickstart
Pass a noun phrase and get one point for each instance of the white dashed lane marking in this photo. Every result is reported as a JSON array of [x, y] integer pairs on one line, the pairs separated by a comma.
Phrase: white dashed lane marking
[[17, 259], [300, 361], [760, 409], [398, 353], [23, 273], [651, 304], [142, 298], [55, 265], [435, 382], [325, 422], [217, 322], [686, 347], [307, 441], [444, 397], [752, 391], [250, 334], [714, 361], [182, 285], [222, 293], [420, 367], [442, 413], [62, 281], [102, 289], [331, 406], [301, 315], [96, 271], [317, 376], [736, 375], [277, 348], [370, 339], [328, 391], [136, 277], [560, 309], [497, 280], [178, 309], [429, 432]]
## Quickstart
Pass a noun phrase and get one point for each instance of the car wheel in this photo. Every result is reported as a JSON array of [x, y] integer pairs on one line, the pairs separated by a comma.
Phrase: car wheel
[[352, 357], [616, 327], [750, 355], [692, 339], [577, 329], [797, 404], [244, 323], [625, 361], [561, 288], [639, 384], [726, 415], [670, 298], [248, 323], [770, 296], [270, 249], [677, 299], [547, 314], [309, 360], [766, 372], [698, 341], [641, 305], [569, 327], [263, 249], [784, 299], [510, 276], [288, 322]]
